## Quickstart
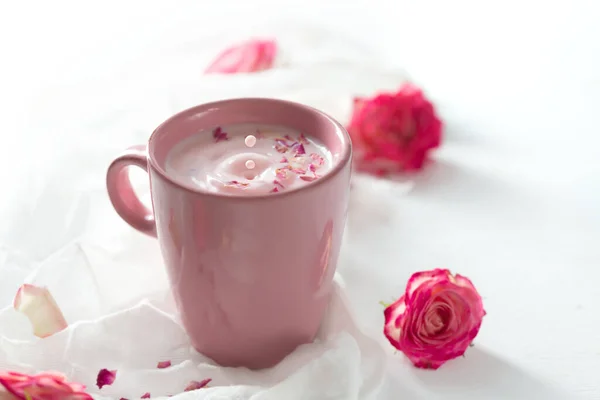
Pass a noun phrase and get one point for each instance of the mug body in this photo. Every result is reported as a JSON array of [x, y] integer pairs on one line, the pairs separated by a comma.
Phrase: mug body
[[252, 275]]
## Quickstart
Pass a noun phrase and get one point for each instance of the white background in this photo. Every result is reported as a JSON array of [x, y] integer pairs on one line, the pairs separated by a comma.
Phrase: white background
[[512, 201]]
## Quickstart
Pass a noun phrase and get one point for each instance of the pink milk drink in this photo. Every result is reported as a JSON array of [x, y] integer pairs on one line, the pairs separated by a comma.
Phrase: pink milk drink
[[249, 159]]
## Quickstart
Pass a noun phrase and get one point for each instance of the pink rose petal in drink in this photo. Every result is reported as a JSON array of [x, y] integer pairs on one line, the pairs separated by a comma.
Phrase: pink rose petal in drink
[[299, 148], [317, 159], [281, 148], [237, 184], [163, 364], [145, 395], [281, 173], [277, 183], [308, 178], [299, 171], [219, 135], [302, 139]]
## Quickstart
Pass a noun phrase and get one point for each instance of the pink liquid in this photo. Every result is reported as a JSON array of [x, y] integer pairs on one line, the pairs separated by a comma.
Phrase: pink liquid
[[220, 160]]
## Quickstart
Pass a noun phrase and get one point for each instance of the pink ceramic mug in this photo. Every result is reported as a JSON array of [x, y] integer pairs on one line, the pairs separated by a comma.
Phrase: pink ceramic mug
[[252, 275]]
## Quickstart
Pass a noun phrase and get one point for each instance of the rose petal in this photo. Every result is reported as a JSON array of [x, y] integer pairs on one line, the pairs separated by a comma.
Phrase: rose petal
[[393, 316], [41, 309], [237, 184], [281, 148], [281, 173], [194, 385], [302, 139], [418, 278], [299, 148], [249, 56], [163, 364], [145, 395], [105, 377]]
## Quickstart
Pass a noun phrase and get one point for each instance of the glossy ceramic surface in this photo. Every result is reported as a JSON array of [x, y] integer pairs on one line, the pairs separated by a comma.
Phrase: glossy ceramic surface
[[252, 275]]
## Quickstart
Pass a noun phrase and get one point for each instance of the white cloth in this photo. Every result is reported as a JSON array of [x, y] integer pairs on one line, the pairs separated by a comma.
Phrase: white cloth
[[511, 200], [109, 280]]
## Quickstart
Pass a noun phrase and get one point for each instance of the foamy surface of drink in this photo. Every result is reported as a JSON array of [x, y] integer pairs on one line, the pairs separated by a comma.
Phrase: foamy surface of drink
[[218, 160]]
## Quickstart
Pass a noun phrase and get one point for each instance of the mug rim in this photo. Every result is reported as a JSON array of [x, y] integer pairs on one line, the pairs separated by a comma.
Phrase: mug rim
[[345, 156]]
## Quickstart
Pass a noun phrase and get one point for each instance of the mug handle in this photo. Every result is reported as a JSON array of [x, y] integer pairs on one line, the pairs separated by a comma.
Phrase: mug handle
[[121, 193]]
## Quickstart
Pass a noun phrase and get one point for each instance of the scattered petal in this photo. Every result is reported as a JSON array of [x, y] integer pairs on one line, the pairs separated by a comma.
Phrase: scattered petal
[[194, 385], [277, 183], [163, 364], [308, 178], [105, 377], [275, 190], [283, 160], [145, 395], [41, 309]]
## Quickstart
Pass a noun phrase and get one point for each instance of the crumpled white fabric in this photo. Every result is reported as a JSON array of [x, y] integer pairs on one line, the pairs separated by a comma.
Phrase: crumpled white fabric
[[60, 231]]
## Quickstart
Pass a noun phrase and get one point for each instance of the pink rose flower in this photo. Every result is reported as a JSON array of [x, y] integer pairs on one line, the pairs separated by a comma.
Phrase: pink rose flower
[[250, 56], [436, 319], [43, 386], [394, 132]]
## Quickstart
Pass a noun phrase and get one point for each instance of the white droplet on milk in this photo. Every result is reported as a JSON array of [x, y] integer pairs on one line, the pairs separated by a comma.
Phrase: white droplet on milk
[[250, 140]]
